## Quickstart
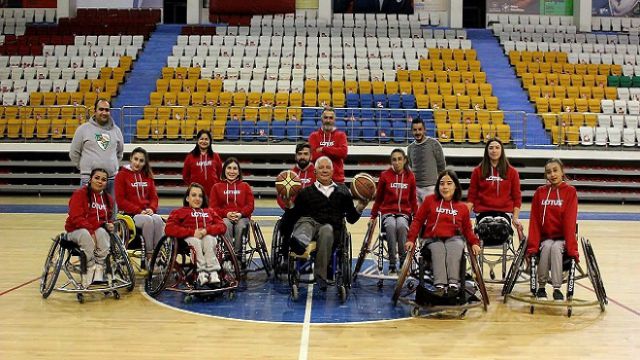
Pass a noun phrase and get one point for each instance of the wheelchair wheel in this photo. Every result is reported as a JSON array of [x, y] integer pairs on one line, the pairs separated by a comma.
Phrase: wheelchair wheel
[[477, 274], [594, 273], [276, 248], [402, 276], [161, 267], [121, 229], [515, 269], [261, 247], [364, 250], [52, 266], [122, 264], [228, 261]]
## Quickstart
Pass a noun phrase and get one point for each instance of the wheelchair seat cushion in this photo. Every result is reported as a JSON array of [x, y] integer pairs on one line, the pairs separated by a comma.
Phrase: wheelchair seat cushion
[[494, 230]]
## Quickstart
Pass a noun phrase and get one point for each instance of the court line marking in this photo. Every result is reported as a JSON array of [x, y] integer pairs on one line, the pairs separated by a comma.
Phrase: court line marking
[[633, 311], [306, 325], [19, 286]]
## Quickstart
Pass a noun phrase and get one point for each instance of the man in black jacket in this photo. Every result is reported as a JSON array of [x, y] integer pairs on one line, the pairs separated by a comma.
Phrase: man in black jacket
[[320, 210]]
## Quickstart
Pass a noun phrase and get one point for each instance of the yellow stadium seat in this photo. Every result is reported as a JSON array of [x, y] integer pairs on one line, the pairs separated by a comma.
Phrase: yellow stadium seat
[[324, 99], [206, 113], [472, 89], [198, 98], [203, 124], [474, 65], [445, 88], [497, 117], [90, 99], [310, 86], [504, 133], [280, 113], [221, 113], [211, 98], [439, 117], [437, 65], [324, 86], [432, 88], [464, 102], [294, 114], [470, 54], [57, 128], [236, 113], [545, 67], [181, 73], [576, 119], [446, 54], [555, 105], [364, 87], [568, 105], [41, 127], [597, 92], [484, 117], [533, 67], [474, 132], [215, 85], [590, 120], [610, 93], [351, 86], [534, 91], [253, 99], [310, 99], [434, 53], [217, 129], [239, 99], [84, 85], [338, 100], [459, 89], [582, 105], [450, 65], [459, 132], [458, 54], [488, 132], [51, 113], [75, 98], [202, 85], [557, 135], [225, 98], [13, 128], [193, 73], [170, 98], [105, 73], [415, 75], [35, 98], [422, 101], [189, 85], [450, 102], [266, 113], [557, 68], [418, 88], [268, 99], [402, 75], [162, 85], [405, 87], [378, 87], [49, 98], [184, 98], [295, 99], [486, 89], [441, 76], [175, 85], [282, 99], [454, 115], [168, 72], [118, 74], [98, 85], [337, 86], [468, 116], [436, 101], [188, 128], [549, 120], [444, 133], [25, 112], [527, 81], [540, 79], [193, 113], [467, 77], [559, 91], [251, 114], [491, 103], [172, 129], [428, 76]]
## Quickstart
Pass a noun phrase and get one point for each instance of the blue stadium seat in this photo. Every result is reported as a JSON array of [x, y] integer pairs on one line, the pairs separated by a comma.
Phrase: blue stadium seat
[[411, 114], [383, 115], [293, 130], [399, 133], [310, 113], [380, 99], [367, 114], [398, 114], [307, 127], [369, 130], [426, 114], [278, 129], [341, 113], [394, 101], [248, 130], [353, 100], [355, 113], [352, 128], [232, 130], [262, 130], [366, 100], [408, 101], [384, 132]]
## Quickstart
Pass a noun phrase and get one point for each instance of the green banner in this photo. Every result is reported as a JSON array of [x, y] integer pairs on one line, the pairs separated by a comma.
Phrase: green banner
[[556, 7]]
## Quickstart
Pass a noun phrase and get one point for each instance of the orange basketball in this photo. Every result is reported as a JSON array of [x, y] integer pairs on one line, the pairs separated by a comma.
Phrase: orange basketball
[[363, 187], [288, 184]]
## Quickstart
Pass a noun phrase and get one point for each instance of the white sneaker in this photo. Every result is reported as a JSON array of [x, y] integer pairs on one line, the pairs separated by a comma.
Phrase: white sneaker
[[87, 278], [203, 278], [98, 276], [214, 278]]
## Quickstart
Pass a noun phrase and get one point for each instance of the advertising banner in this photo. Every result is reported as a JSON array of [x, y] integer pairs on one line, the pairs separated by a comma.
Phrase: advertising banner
[[618, 8]]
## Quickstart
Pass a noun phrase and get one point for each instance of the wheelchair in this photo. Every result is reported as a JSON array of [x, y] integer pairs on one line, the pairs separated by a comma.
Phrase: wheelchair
[[126, 229], [377, 251], [572, 272], [173, 268], [279, 258], [471, 294], [67, 257], [496, 233], [339, 267], [249, 260]]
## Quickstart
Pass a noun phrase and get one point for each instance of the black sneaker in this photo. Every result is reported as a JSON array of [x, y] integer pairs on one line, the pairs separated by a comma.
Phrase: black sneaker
[[541, 294], [557, 295], [322, 283], [392, 270]]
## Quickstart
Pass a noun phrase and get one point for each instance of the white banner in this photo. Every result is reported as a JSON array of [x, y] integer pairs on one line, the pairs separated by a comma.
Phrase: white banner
[[430, 5]]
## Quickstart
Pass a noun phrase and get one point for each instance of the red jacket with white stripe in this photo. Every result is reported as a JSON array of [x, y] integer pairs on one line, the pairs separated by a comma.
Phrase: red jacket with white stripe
[[495, 193], [235, 196], [442, 219], [88, 214], [203, 170], [396, 194], [334, 145], [554, 214], [184, 221], [135, 191]]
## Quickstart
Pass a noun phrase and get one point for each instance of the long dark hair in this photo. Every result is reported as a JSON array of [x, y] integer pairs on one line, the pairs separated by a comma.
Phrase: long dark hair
[[457, 194], [89, 197], [196, 149], [205, 202], [146, 168], [406, 162], [230, 160], [503, 162]]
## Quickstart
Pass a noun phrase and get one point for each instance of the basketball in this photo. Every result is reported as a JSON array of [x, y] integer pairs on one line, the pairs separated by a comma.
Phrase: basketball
[[363, 187], [288, 184]]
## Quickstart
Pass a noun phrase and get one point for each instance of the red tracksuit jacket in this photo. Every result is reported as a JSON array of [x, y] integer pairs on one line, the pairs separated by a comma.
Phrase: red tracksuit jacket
[[135, 191], [334, 145], [184, 221], [554, 213], [396, 194], [203, 170], [88, 215], [495, 193], [232, 196], [442, 219], [307, 178]]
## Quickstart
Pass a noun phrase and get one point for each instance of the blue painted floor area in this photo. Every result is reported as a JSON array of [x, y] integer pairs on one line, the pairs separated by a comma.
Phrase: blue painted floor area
[[62, 209], [269, 301], [507, 87]]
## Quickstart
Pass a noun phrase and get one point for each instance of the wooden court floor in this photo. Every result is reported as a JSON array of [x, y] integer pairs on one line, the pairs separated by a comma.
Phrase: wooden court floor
[[136, 328]]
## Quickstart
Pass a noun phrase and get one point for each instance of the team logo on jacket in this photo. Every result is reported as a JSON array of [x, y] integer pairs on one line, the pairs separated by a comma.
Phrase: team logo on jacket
[[197, 214], [447, 211], [326, 143], [399, 186], [557, 202], [305, 181], [98, 206], [139, 184], [103, 140], [204, 163], [232, 192], [494, 178]]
